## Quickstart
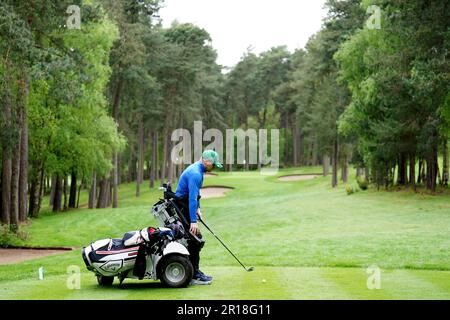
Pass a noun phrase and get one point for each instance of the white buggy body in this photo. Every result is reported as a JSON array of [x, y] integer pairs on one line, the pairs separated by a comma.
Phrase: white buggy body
[[155, 254]]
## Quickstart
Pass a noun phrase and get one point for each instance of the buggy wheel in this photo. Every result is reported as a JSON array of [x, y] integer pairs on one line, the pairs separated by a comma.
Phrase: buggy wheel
[[105, 281], [176, 271]]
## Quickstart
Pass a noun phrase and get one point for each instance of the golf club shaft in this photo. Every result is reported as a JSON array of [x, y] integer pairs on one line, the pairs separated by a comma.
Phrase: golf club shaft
[[222, 243]]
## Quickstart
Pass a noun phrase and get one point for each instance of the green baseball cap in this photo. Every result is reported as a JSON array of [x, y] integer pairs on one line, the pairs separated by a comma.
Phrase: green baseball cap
[[211, 155]]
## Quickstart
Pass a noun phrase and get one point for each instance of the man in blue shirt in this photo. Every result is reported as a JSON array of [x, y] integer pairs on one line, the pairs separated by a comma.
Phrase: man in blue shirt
[[188, 190]]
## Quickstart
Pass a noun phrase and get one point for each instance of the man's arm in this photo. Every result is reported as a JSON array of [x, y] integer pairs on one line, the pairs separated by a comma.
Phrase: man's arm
[[194, 190]]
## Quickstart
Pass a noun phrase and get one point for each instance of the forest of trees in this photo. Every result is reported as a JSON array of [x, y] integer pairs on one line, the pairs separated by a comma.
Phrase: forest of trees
[[95, 107]]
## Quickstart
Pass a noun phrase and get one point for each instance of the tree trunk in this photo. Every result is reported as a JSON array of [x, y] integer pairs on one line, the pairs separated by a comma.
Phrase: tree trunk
[[419, 175], [110, 193], [57, 194], [438, 173], [65, 193], [147, 170], [93, 191], [260, 156], [73, 190], [46, 185], [445, 167], [23, 176], [115, 181], [15, 172], [424, 171], [164, 162], [315, 152], [296, 146], [334, 179], [344, 173], [1, 198], [412, 170], [41, 189], [432, 169], [78, 194], [115, 171], [141, 137], [35, 192], [246, 144], [103, 196], [326, 165], [52, 191], [157, 167], [119, 169], [286, 141], [49, 185], [171, 166], [131, 163], [154, 162], [401, 170], [6, 145], [33, 198], [406, 160], [116, 100]]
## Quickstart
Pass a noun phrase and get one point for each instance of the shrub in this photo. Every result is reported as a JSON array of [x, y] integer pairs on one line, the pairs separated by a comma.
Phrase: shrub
[[362, 183], [5, 236], [8, 237], [349, 190]]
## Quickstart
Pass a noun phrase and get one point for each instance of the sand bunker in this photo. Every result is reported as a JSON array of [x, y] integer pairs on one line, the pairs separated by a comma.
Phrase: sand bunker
[[298, 177], [9, 256], [214, 192]]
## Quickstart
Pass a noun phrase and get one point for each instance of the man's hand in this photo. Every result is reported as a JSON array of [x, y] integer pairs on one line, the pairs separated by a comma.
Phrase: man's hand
[[199, 213], [194, 229]]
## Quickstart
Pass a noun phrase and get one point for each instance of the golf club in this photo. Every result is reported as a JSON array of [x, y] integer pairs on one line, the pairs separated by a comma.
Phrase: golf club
[[246, 269]]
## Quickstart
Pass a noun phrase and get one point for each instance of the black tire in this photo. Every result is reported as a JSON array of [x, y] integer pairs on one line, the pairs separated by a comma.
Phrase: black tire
[[175, 271], [105, 281]]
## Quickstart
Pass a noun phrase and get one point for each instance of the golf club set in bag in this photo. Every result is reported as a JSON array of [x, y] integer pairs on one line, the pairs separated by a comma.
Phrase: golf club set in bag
[[151, 253]]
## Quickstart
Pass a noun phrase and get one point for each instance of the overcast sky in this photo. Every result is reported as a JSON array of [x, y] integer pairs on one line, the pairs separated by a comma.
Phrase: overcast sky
[[234, 25]]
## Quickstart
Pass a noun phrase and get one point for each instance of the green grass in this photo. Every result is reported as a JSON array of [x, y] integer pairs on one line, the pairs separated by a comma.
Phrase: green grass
[[307, 239], [232, 283]]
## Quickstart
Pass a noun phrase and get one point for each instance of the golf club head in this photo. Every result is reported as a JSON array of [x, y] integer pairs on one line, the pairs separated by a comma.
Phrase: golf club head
[[250, 269]]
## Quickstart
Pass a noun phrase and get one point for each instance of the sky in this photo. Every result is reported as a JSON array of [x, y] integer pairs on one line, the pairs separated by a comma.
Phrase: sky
[[235, 25]]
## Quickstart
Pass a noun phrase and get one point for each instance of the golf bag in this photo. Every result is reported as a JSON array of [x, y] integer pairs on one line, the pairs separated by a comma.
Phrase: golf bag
[[173, 208]]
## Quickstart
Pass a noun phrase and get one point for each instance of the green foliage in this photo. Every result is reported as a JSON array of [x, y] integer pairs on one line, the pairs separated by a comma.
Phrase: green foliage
[[398, 84], [253, 85], [312, 90], [8, 236], [363, 184], [74, 132], [349, 190]]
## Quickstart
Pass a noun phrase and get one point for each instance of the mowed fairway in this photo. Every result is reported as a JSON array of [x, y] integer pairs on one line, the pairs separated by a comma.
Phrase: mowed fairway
[[307, 240]]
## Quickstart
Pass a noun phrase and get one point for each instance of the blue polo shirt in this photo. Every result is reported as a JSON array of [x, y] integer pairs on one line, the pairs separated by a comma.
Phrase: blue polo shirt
[[189, 185]]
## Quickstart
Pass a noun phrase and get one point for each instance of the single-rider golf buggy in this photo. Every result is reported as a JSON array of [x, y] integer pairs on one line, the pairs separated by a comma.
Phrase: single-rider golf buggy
[[151, 253]]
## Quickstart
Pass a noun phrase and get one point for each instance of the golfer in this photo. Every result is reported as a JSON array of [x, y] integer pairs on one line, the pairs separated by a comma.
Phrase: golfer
[[188, 190]]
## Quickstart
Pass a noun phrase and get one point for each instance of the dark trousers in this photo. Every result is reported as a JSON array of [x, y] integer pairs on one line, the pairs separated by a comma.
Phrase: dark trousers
[[195, 244]]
